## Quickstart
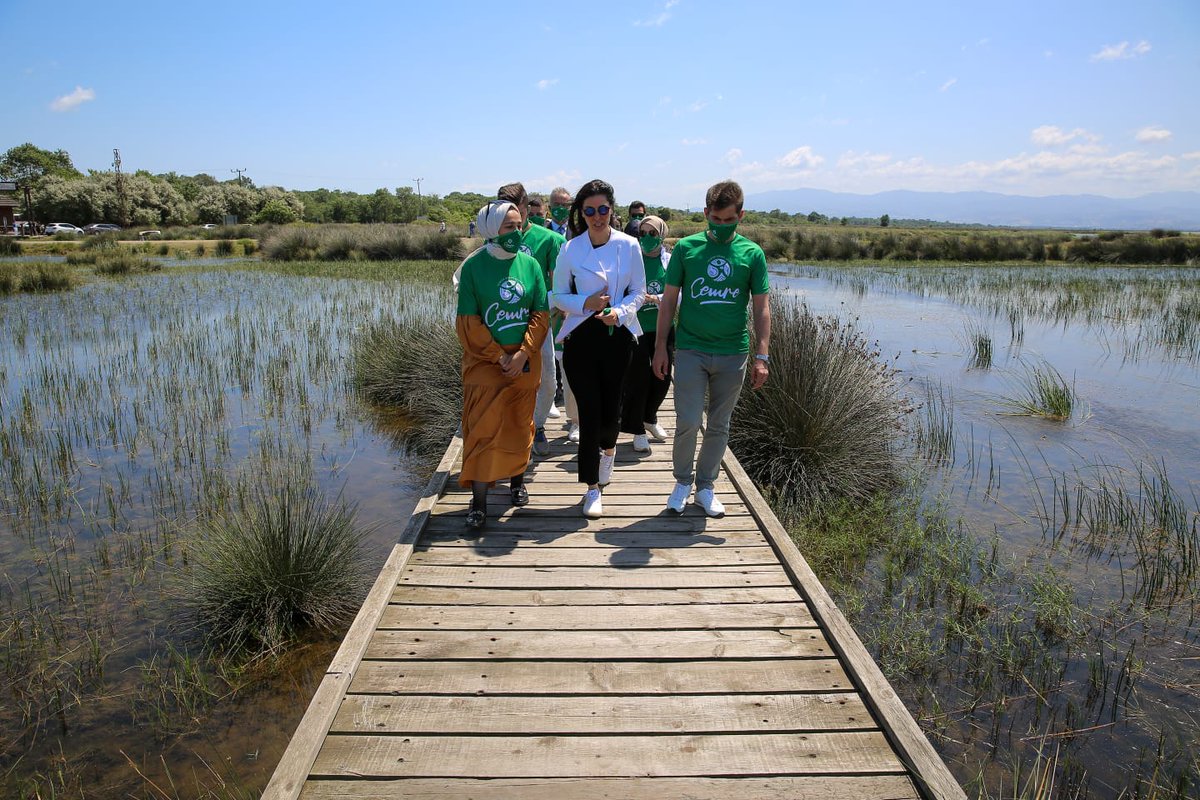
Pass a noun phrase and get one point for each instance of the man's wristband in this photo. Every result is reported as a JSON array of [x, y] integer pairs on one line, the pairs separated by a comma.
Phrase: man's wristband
[[763, 357]]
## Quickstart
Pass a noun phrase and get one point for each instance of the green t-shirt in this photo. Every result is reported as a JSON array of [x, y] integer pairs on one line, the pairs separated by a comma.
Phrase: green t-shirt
[[543, 244], [715, 283], [502, 293], [656, 273]]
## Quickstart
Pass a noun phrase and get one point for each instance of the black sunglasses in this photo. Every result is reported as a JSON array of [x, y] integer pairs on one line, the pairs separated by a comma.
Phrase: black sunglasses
[[601, 210]]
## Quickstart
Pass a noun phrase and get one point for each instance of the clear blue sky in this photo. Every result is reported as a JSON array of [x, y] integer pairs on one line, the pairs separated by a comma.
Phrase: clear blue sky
[[660, 98]]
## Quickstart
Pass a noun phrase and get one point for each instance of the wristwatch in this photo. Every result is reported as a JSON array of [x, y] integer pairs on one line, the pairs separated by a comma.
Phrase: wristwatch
[[763, 357]]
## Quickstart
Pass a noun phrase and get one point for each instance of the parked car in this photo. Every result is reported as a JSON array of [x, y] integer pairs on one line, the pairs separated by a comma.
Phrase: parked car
[[101, 227], [62, 227], [149, 234], [208, 226]]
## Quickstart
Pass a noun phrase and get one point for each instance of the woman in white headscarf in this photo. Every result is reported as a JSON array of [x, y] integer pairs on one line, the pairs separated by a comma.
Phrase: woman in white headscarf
[[502, 321]]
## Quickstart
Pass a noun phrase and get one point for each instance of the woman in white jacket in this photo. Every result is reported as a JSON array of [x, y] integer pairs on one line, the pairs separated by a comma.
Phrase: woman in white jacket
[[600, 282]]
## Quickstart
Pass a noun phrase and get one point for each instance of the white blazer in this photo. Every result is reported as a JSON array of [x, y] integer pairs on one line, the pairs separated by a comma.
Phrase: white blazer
[[583, 270]]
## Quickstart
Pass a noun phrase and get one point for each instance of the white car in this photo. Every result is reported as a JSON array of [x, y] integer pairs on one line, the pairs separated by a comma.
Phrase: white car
[[63, 227]]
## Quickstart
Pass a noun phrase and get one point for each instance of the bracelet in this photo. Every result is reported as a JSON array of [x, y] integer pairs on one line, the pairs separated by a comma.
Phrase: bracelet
[[763, 357]]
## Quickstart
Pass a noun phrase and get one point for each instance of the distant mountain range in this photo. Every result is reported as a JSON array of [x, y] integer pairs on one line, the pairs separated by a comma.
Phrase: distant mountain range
[[1175, 210]]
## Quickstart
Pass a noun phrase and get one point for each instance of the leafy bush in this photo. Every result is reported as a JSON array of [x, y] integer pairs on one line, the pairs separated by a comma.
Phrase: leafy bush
[[829, 421]]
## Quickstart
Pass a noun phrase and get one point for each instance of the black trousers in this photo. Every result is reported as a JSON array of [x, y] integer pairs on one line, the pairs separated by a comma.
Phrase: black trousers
[[644, 392], [595, 358]]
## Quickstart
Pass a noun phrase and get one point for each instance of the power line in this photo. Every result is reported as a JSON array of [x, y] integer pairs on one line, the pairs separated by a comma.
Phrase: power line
[[241, 180], [417, 181]]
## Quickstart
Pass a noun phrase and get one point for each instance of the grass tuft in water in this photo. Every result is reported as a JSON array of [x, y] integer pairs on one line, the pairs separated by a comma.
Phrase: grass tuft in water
[[933, 429], [1042, 391], [285, 561], [35, 277], [980, 341]]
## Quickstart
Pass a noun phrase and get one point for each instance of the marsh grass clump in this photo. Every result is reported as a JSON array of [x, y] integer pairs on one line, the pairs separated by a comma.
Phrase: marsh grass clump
[[355, 242], [933, 429], [413, 366], [36, 277], [249, 246], [979, 339], [9, 246], [828, 423], [124, 264], [224, 247], [1041, 391], [284, 560]]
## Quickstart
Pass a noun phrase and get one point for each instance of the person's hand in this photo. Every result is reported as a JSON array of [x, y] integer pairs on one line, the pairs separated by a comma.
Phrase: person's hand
[[556, 314], [651, 298], [660, 363], [758, 374], [516, 362], [597, 302], [608, 317], [503, 362]]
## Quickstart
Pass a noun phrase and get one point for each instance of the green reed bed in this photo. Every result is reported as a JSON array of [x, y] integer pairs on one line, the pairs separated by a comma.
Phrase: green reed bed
[[36, 277], [377, 242], [1041, 391], [9, 246]]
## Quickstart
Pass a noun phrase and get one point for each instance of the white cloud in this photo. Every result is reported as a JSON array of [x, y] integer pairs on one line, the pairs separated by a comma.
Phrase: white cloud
[[947, 84], [562, 177], [801, 158], [73, 100], [1052, 135], [1122, 51], [1151, 133], [546, 83], [699, 105], [1192, 156], [692, 142], [659, 19], [732, 156], [851, 159]]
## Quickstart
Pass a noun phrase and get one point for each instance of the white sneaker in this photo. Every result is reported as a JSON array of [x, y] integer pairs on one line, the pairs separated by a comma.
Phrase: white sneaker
[[573, 432], [606, 466], [592, 507], [656, 431], [553, 413], [709, 502], [678, 498], [641, 443]]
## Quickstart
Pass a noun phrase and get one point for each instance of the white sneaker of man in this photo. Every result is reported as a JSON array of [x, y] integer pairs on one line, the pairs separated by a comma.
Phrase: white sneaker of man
[[656, 431], [553, 413], [707, 500], [678, 498], [573, 432], [641, 443], [593, 508], [606, 467]]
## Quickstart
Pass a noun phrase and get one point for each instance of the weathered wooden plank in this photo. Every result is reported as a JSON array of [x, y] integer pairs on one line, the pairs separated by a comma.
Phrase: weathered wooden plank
[[455, 522], [708, 677], [930, 772], [654, 487], [434, 595], [619, 557], [824, 787], [593, 578], [557, 505], [602, 756], [596, 618], [443, 715], [637, 645], [511, 539]]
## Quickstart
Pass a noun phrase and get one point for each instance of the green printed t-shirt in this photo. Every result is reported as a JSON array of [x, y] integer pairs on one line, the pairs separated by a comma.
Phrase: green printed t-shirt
[[543, 244], [656, 273], [502, 294], [715, 283]]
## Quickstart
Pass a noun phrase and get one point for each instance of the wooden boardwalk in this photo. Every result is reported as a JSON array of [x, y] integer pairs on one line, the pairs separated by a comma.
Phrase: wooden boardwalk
[[642, 655]]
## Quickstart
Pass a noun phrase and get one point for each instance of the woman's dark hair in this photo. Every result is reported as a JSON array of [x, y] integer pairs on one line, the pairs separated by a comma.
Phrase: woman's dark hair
[[575, 220]]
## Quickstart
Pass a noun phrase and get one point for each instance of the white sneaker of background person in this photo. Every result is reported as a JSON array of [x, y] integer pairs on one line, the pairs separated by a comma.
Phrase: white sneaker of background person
[[573, 432], [593, 508], [656, 431], [679, 497], [707, 500], [641, 443], [553, 413]]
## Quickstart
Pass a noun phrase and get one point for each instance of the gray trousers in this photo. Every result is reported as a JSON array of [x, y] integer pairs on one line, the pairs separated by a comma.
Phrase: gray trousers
[[545, 395], [719, 377]]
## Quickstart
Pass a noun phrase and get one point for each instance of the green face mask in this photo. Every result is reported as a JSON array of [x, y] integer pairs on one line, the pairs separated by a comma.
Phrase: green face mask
[[511, 241], [535, 219], [650, 243], [722, 234], [560, 213]]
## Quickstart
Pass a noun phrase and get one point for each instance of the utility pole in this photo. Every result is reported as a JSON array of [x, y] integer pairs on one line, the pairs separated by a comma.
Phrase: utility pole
[[122, 201], [417, 181], [241, 180]]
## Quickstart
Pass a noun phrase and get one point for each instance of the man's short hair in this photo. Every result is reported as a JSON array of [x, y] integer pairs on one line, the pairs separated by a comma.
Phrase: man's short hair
[[561, 191], [535, 198], [512, 193], [724, 195], [636, 204]]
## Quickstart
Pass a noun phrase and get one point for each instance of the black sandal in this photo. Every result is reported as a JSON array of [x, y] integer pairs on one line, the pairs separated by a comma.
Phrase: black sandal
[[519, 495], [476, 519]]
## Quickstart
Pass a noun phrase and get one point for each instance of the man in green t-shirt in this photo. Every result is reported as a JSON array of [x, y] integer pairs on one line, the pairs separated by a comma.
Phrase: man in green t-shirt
[[543, 244], [713, 276]]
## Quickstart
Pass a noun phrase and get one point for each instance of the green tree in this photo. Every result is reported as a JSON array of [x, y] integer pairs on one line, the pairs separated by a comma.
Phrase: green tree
[[28, 164], [276, 210], [884, 221]]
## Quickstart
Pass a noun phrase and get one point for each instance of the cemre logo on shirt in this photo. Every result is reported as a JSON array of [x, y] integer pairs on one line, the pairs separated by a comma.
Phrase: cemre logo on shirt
[[719, 269], [511, 290], [654, 287], [525, 249]]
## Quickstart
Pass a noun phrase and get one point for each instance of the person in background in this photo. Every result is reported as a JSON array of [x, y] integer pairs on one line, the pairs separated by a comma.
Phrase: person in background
[[560, 208], [471, 228], [442, 227], [637, 212], [543, 244], [600, 283], [644, 391], [712, 277], [537, 211], [502, 320]]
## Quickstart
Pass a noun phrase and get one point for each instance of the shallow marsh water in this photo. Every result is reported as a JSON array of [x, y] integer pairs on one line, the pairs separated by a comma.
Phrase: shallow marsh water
[[131, 407]]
